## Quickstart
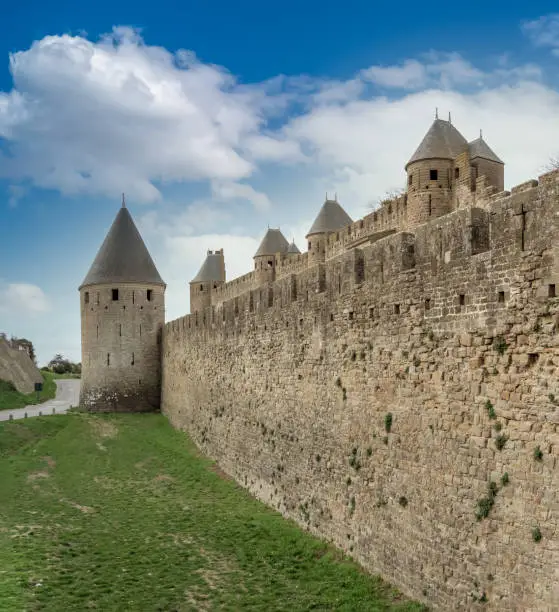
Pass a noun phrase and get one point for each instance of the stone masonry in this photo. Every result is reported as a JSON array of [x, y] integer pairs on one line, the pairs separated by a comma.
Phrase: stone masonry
[[398, 393]]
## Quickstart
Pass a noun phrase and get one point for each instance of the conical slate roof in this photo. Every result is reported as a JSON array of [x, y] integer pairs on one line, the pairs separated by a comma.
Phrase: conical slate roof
[[123, 256], [212, 269], [479, 148], [442, 141], [292, 248], [273, 242], [331, 217]]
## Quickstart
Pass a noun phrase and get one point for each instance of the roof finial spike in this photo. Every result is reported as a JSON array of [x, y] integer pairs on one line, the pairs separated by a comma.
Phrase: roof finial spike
[[449, 117], [335, 196], [480, 133], [436, 112], [326, 195], [123, 202]]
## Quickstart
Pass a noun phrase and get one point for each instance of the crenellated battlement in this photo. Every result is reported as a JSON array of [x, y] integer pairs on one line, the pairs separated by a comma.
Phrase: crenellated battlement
[[466, 231]]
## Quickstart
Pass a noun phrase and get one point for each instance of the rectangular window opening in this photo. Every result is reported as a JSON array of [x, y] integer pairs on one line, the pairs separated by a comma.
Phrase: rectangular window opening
[[433, 175], [410, 179], [551, 291], [132, 362], [427, 303], [120, 329], [350, 314], [149, 294], [397, 309], [331, 316], [108, 359], [501, 297], [371, 313], [462, 300], [86, 297], [115, 295], [456, 172]]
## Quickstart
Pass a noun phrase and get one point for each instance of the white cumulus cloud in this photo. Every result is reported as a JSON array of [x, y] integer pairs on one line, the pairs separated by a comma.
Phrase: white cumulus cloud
[[22, 298]]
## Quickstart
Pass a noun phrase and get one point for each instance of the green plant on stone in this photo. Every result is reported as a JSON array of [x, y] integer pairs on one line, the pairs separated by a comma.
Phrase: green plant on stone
[[505, 479], [500, 345], [498, 426], [500, 441], [352, 505], [485, 504], [369, 451], [538, 454], [490, 409], [388, 422], [536, 534]]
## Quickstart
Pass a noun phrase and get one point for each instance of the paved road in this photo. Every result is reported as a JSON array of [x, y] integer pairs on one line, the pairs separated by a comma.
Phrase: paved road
[[67, 394]]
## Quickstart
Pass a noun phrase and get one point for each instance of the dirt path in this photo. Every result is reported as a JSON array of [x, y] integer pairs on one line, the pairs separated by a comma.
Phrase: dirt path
[[67, 395]]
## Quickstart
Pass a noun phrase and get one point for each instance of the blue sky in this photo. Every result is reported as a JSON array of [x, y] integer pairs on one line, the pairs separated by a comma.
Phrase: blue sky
[[219, 118]]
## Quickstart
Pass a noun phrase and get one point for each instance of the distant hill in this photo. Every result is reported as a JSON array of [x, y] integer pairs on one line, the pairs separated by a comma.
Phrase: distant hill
[[17, 367]]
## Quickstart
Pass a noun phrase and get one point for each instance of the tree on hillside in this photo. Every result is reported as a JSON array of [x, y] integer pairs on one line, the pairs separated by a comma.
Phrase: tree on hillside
[[24, 345]]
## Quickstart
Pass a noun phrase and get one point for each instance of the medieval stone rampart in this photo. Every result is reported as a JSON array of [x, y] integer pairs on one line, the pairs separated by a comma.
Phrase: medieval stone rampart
[[375, 397]]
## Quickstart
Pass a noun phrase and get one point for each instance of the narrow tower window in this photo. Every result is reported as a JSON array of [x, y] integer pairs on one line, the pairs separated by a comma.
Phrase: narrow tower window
[[141, 330], [115, 295], [120, 329], [410, 179], [149, 295], [86, 297], [132, 362], [108, 359], [551, 291], [132, 297], [433, 175], [456, 172]]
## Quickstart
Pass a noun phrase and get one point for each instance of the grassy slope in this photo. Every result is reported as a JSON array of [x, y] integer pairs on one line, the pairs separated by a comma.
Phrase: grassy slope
[[10, 398], [120, 513]]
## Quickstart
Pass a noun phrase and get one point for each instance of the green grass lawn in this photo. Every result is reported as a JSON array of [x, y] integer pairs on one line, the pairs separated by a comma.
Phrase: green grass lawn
[[121, 513], [11, 398]]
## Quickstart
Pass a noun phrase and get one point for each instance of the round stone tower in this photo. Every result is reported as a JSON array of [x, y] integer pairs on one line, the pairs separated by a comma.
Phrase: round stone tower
[[122, 302], [431, 170], [273, 243], [210, 276], [331, 218]]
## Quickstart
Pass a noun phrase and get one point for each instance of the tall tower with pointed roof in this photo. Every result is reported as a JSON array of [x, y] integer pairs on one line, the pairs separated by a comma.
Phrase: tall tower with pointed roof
[[210, 276], [122, 301], [274, 242], [443, 171], [331, 218], [430, 172]]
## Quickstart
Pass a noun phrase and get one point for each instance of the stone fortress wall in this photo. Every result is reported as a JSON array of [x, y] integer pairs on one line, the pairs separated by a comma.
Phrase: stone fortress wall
[[374, 396]]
